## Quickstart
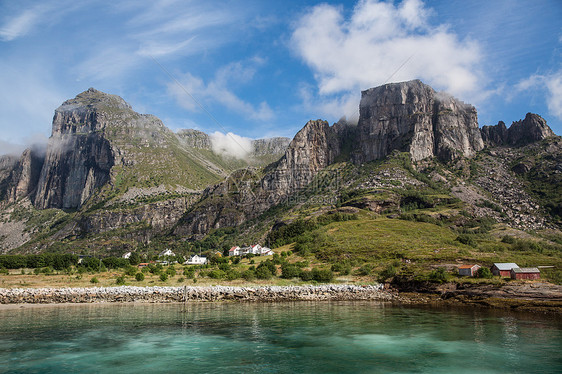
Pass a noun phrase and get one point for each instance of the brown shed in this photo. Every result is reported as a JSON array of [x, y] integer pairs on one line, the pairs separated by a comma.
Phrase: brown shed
[[525, 273], [468, 270]]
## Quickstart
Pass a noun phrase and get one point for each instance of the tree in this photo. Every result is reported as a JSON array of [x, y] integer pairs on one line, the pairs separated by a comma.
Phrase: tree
[[262, 272], [289, 271], [484, 273], [139, 277], [135, 259]]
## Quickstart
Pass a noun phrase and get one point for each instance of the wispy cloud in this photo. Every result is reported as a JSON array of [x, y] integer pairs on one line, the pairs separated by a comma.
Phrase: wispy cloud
[[218, 90], [21, 24], [382, 42], [550, 85]]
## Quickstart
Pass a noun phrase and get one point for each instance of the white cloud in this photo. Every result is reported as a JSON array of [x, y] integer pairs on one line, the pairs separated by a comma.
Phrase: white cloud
[[231, 145], [551, 85], [554, 98], [193, 88], [20, 25], [382, 42]]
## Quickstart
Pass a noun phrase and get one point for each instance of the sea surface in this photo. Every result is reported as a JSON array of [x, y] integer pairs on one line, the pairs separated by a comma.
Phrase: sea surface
[[299, 337]]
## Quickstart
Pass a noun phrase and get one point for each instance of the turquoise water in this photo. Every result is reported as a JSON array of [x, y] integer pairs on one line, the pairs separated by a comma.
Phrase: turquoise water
[[302, 337]]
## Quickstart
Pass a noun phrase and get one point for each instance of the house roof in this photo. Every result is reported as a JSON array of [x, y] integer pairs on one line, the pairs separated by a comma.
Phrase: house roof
[[505, 265], [525, 270], [467, 266]]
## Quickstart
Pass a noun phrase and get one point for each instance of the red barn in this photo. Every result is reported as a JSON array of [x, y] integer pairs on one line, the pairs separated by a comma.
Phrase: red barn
[[503, 269], [525, 273]]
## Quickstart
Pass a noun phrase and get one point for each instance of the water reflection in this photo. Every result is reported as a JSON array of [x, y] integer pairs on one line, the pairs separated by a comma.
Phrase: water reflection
[[322, 337]]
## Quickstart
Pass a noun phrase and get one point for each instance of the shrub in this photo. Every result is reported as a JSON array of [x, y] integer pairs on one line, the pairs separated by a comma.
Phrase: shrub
[[163, 277], [322, 275], [342, 268], [269, 265], [216, 274], [224, 267], [389, 272], [171, 272], [289, 271], [466, 239], [249, 275], [130, 271], [232, 275], [120, 280], [94, 280], [364, 270], [139, 277], [306, 275], [262, 272], [189, 272], [438, 275], [508, 239], [484, 273], [181, 279]]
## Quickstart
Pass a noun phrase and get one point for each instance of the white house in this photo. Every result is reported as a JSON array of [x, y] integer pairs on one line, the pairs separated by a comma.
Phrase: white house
[[165, 253], [196, 260], [245, 250], [127, 255], [266, 251], [255, 249], [234, 251]]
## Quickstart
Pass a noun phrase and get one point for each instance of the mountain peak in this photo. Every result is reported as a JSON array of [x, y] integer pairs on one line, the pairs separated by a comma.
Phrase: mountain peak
[[93, 98]]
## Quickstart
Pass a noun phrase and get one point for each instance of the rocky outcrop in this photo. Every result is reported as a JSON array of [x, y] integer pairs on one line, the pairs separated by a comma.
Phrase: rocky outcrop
[[313, 148], [20, 176], [494, 135], [529, 130], [412, 117], [270, 146], [195, 139]]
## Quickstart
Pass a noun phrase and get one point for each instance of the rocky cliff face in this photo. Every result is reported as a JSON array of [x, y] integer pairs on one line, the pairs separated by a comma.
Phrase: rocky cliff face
[[195, 139], [18, 178], [529, 130], [79, 157], [412, 117], [270, 146]]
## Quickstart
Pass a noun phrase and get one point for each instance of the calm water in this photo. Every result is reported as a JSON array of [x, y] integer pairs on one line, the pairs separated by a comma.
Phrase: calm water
[[346, 337]]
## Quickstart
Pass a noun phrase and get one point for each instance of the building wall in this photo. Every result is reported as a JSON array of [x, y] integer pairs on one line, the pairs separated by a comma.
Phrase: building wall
[[526, 276]]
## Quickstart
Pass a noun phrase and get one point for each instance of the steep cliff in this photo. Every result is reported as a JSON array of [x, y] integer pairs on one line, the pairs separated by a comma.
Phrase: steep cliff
[[412, 117], [270, 146], [529, 130], [19, 177]]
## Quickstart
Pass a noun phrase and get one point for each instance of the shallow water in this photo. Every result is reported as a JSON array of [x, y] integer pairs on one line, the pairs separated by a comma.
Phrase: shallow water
[[301, 337]]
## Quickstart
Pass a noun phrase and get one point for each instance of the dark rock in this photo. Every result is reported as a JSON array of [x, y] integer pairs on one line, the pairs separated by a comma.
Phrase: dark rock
[[532, 129], [412, 117]]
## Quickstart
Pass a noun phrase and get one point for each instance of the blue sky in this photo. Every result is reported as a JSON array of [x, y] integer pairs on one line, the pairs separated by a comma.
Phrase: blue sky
[[264, 68]]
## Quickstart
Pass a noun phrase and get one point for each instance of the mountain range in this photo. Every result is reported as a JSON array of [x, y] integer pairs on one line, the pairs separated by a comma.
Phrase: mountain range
[[111, 179]]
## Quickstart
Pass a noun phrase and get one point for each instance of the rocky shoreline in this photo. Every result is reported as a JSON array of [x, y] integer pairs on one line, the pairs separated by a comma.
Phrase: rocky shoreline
[[183, 294]]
